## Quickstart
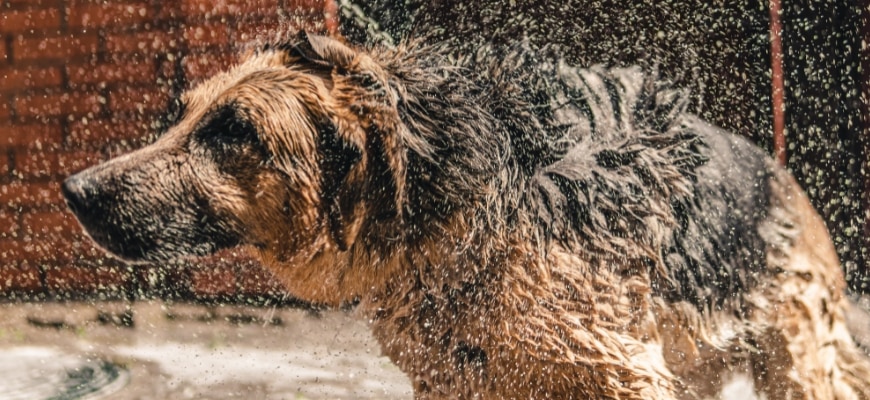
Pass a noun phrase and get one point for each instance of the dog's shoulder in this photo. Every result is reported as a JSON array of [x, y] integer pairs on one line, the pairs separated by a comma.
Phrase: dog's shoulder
[[622, 153], [630, 173]]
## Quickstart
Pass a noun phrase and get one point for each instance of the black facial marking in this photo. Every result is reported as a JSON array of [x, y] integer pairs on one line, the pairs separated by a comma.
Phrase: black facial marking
[[226, 128], [231, 140]]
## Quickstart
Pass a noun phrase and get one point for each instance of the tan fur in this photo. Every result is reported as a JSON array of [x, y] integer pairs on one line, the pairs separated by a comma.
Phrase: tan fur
[[479, 313], [610, 338], [805, 350]]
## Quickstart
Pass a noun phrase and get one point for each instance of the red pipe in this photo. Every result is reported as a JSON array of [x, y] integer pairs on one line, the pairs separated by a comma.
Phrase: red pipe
[[865, 135], [330, 16], [777, 82]]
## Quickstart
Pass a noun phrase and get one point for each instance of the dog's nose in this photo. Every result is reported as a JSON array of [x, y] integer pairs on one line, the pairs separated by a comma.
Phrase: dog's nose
[[75, 193]]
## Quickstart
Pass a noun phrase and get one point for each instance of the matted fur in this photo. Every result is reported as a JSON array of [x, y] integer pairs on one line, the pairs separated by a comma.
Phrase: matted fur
[[512, 227]]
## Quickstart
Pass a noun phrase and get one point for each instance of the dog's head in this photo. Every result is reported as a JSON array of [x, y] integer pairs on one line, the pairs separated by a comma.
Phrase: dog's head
[[277, 153]]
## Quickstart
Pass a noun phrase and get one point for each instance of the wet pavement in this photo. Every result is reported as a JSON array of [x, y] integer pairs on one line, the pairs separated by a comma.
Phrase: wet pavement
[[155, 350]]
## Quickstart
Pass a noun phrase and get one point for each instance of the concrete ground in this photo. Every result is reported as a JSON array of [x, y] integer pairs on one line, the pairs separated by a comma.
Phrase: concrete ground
[[154, 350], [157, 351]]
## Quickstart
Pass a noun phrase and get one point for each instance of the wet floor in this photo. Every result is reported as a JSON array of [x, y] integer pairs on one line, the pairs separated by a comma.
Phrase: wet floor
[[157, 351], [178, 351]]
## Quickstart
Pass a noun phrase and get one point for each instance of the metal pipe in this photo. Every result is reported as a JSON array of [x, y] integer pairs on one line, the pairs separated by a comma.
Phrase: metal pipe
[[777, 82], [864, 138]]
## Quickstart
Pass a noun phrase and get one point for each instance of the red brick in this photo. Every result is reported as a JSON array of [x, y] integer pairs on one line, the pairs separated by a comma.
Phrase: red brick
[[59, 104], [4, 53], [93, 14], [31, 252], [11, 249], [34, 3], [59, 48], [248, 32], [206, 35], [23, 278], [35, 164], [255, 279], [5, 110], [50, 224], [4, 164], [210, 8], [30, 195], [67, 278], [213, 280], [199, 66], [70, 162], [144, 71], [148, 43], [13, 79], [88, 133], [40, 164], [138, 99], [53, 250], [30, 20], [31, 135], [167, 69], [10, 225]]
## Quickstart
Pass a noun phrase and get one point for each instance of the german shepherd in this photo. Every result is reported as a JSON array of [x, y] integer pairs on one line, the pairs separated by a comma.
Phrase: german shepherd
[[514, 227]]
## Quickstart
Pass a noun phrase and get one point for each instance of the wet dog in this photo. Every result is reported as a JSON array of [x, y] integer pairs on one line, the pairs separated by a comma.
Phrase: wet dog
[[512, 227]]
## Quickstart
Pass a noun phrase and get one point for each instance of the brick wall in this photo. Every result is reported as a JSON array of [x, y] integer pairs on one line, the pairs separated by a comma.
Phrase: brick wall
[[82, 81]]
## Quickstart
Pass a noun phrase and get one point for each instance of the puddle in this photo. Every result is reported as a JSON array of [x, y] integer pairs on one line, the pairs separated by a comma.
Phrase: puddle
[[158, 351], [314, 372], [35, 373]]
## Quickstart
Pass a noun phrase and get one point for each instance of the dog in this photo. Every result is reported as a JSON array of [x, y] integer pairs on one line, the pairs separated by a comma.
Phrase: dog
[[512, 226]]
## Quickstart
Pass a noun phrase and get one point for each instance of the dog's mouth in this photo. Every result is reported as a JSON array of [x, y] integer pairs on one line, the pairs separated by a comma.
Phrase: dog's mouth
[[137, 232]]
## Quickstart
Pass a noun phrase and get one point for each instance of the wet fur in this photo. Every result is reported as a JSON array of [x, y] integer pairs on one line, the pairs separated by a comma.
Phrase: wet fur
[[512, 227]]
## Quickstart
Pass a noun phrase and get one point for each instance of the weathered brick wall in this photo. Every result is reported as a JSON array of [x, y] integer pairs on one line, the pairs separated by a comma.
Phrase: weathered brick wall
[[82, 81]]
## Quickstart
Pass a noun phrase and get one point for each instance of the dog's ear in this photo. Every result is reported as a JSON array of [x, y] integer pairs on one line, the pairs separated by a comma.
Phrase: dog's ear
[[323, 50], [348, 192], [328, 53]]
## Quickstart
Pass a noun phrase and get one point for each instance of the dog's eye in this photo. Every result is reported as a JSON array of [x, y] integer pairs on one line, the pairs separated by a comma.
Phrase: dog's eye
[[227, 127]]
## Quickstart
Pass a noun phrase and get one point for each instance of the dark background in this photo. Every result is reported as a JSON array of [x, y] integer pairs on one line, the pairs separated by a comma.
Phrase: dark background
[[721, 50]]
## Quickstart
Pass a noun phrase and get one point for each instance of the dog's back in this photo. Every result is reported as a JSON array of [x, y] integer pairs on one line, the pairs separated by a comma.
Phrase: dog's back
[[655, 178], [745, 243], [742, 269]]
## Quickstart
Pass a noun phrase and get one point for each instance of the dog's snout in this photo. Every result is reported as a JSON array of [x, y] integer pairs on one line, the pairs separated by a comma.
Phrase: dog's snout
[[75, 192]]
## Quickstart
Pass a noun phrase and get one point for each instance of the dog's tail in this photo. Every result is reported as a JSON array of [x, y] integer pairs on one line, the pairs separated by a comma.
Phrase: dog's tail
[[813, 316], [855, 361], [853, 366]]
